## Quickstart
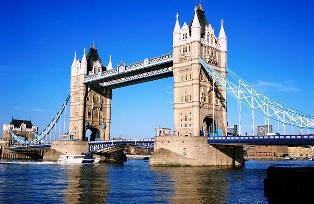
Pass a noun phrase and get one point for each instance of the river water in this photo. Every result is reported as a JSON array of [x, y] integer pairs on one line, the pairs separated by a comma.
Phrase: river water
[[132, 182]]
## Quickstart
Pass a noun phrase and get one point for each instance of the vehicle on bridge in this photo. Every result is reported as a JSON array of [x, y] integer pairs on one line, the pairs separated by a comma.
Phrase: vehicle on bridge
[[272, 134]]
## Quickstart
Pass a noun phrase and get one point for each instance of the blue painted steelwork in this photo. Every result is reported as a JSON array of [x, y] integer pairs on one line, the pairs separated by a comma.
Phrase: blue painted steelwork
[[39, 138], [264, 140], [43, 134], [19, 139], [95, 146], [258, 101]]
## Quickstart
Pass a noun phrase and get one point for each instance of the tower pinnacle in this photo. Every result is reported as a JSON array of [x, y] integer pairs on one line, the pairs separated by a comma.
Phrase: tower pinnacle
[[109, 67], [84, 57], [177, 25], [222, 38], [196, 26], [74, 60], [93, 46], [222, 33]]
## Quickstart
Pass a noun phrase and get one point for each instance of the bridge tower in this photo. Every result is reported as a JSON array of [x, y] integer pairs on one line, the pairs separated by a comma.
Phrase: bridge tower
[[199, 103], [90, 107]]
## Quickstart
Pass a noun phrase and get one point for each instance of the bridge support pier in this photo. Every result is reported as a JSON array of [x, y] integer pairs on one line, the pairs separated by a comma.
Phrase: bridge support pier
[[65, 147], [194, 151]]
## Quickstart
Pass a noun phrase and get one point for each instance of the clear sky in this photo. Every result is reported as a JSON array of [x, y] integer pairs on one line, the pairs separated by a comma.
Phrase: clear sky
[[270, 45]]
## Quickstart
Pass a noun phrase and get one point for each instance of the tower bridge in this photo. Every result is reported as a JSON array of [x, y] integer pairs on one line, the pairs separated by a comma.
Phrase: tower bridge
[[201, 81]]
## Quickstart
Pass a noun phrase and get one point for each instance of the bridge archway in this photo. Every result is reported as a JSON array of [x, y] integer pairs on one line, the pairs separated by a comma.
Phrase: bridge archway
[[209, 126], [92, 134]]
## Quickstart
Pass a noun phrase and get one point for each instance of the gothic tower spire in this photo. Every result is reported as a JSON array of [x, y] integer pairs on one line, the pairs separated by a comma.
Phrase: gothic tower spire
[[84, 63], [196, 27], [222, 38], [109, 67], [73, 67], [74, 60], [176, 32]]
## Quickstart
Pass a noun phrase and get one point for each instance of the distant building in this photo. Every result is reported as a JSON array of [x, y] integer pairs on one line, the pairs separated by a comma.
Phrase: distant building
[[163, 131], [299, 152], [266, 151], [23, 128], [232, 130], [264, 129]]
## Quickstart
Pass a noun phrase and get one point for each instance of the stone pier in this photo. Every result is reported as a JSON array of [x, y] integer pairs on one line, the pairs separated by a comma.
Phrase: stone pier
[[65, 147], [194, 151], [59, 148]]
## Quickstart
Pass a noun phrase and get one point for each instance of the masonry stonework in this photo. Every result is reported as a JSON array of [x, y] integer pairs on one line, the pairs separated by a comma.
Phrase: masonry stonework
[[90, 107], [194, 151], [199, 103]]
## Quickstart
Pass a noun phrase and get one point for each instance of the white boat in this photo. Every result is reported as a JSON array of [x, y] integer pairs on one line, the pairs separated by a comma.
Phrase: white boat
[[288, 158], [78, 159]]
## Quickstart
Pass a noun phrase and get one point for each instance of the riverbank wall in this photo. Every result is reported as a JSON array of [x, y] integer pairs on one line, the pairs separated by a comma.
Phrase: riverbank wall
[[6, 153]]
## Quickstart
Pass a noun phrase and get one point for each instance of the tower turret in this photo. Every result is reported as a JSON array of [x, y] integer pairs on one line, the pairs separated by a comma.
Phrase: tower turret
[[83, 69], [222, 38], [176, 32], [109, 67], [73, 67], [196, 27]]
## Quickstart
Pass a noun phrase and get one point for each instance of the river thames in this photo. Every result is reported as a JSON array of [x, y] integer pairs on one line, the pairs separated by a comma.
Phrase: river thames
[[132, 182]]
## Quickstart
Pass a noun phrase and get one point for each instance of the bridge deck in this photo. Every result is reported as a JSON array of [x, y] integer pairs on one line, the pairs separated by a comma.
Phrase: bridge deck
[[95, 146], [264, 140]]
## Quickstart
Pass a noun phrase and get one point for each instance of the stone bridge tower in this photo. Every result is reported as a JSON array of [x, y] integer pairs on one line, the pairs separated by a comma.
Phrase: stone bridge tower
[[199, 103], [90, 107]]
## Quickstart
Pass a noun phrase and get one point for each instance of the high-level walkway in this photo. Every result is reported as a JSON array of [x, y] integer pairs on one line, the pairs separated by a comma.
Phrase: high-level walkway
[[125, 75]]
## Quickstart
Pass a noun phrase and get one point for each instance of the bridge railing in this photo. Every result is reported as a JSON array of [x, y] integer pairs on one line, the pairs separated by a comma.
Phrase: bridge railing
[[99, 145], [267, 139]]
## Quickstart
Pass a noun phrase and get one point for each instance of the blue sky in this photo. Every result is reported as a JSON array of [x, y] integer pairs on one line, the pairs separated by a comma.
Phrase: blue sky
[[270, 45]]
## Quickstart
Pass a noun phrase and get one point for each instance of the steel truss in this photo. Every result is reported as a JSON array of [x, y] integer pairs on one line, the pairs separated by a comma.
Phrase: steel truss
[[258, 101], [39, 138], [18, 139]]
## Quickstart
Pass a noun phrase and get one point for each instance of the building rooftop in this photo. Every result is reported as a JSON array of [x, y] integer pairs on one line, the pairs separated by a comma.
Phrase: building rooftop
[[201, 17], [93, 56], [17, 123]]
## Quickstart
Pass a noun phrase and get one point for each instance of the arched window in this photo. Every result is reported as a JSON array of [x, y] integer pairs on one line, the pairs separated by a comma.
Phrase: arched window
[[96, 99]]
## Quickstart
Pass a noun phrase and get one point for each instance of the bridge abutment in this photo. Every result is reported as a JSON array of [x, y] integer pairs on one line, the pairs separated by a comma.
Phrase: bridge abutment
[[194, 151]]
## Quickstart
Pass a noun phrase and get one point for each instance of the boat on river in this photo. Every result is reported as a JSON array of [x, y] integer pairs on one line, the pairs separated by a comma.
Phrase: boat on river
[[78, 159]]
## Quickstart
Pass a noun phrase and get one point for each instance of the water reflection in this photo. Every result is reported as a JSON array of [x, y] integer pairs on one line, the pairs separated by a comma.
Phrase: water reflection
[[86, 183], [197, 184]]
